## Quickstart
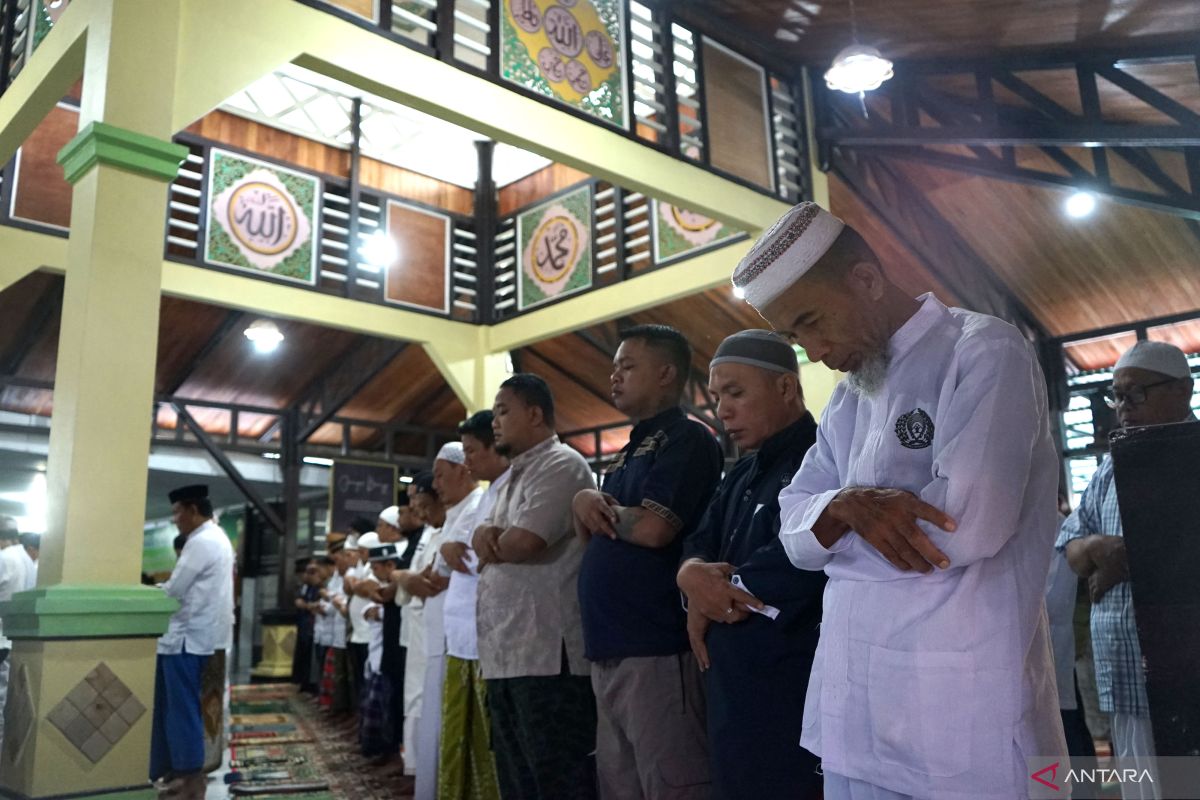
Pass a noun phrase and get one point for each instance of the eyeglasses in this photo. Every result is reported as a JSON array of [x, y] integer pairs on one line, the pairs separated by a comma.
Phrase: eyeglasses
[[1134, 396]]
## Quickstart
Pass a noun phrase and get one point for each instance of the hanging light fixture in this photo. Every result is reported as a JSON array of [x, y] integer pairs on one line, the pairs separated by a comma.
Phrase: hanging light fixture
[[858, 68], [264, 335]]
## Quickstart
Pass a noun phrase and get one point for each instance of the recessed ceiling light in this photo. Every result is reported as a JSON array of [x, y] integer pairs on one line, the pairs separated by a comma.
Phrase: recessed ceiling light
[[1080, 204], [264, 335]]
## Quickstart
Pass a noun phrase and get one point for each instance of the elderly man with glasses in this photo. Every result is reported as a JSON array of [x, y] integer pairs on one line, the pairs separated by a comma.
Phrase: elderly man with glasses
[[1152, 385]]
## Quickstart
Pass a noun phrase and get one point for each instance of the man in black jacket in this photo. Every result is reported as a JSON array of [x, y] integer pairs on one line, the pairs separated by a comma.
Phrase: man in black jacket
[[736, 573]]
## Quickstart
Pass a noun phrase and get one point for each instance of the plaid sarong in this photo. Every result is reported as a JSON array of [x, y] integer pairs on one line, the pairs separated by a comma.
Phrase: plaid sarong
[[335, 686], [376, 732]]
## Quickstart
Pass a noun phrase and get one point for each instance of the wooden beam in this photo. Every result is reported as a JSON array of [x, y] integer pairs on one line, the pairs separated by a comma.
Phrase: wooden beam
[[916, 223], [48, 304], [239, 480], [231, 322], [348, 376]]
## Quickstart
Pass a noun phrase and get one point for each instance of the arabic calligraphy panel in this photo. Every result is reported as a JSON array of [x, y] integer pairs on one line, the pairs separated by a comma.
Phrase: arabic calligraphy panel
[[570, 51], [554, 243]]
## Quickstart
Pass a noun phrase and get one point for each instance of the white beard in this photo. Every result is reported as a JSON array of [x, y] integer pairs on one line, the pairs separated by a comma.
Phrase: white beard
[[869, 378]]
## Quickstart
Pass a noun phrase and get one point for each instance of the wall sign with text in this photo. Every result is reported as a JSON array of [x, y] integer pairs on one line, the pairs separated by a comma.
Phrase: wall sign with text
[[570, 50], [359, 489], [262, 218], [554, 246]]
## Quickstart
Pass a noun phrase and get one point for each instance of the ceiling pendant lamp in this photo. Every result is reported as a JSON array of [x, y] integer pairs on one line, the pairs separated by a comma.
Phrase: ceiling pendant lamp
[[858, 68]]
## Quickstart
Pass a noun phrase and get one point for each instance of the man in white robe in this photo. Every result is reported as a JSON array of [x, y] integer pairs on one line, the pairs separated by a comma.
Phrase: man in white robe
[[929, 501], [459, 494]]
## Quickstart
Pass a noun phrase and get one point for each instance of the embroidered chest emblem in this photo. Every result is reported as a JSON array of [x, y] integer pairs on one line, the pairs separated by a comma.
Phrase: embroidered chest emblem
[[915, 429]]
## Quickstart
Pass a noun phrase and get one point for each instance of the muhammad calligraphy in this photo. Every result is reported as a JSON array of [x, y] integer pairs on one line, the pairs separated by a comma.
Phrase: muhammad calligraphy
[[262, 217], [569, 50], [555, 249], [679, 232]]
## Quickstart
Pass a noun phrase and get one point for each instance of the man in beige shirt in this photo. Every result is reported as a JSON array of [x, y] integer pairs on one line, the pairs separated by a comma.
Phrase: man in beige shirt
[[530, 635]]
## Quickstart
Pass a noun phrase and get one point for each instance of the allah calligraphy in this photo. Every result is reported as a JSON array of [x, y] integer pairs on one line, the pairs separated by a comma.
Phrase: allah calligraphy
[[569, 50], [261, 217], [555, 248]]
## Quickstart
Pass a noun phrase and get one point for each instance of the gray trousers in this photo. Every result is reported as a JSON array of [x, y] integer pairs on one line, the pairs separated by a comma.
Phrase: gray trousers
[[651, 741]]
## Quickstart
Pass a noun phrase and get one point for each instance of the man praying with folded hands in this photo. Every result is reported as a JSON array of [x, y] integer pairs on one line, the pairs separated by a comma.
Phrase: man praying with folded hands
[[929, 502]]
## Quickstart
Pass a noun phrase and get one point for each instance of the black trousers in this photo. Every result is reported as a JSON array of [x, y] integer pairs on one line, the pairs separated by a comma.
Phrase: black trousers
[[543, 732], [754, 723], [395, 669], [357, 655]]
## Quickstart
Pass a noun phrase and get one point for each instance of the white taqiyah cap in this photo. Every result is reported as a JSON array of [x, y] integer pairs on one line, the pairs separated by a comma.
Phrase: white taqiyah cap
[[391, 515], [368, 541], [1165, 359], [352, 542], [452, 452], [783, 254]]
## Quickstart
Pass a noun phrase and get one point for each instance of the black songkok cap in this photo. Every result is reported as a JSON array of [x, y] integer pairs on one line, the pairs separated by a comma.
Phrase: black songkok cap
[[758, 348], [189, 494], [384, 552], [423, 483], [362, 525]]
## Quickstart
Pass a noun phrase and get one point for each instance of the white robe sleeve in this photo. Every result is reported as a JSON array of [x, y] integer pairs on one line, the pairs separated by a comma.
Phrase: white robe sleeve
[[188, 568], [802, 502], [984, 450], [987, 432]]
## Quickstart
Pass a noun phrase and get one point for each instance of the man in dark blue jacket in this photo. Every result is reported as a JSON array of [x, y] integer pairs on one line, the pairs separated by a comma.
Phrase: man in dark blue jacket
[[736, 573], [650, 742]]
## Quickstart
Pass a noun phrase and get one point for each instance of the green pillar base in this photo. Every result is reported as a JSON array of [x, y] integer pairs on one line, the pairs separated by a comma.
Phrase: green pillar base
[[88, 612]]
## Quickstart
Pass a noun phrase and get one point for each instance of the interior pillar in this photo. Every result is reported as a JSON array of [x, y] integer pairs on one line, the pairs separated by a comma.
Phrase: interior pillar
[[83, 661]]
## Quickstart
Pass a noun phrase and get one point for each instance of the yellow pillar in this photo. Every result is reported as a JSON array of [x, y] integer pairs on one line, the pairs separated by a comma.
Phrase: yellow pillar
[[474, 375], [80, 705], [820, 183]]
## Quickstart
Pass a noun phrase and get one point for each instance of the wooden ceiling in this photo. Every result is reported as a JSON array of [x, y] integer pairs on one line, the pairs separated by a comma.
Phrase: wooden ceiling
[[1121, 265], [203, 356], [813, 31]]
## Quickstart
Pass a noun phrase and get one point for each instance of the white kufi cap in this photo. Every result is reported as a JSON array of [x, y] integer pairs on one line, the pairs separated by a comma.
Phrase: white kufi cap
[[391, 515], [784, 253], [368, 541], [452, 452], [1165, 359]]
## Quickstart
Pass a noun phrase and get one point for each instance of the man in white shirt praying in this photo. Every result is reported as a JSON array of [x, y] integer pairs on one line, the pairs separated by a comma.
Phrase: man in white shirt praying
[[202, 582], [15, 577], [929, 501], [466, 766]]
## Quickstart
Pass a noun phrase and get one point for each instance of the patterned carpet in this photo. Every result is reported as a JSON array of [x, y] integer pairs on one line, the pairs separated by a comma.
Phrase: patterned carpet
[[283, 746]]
